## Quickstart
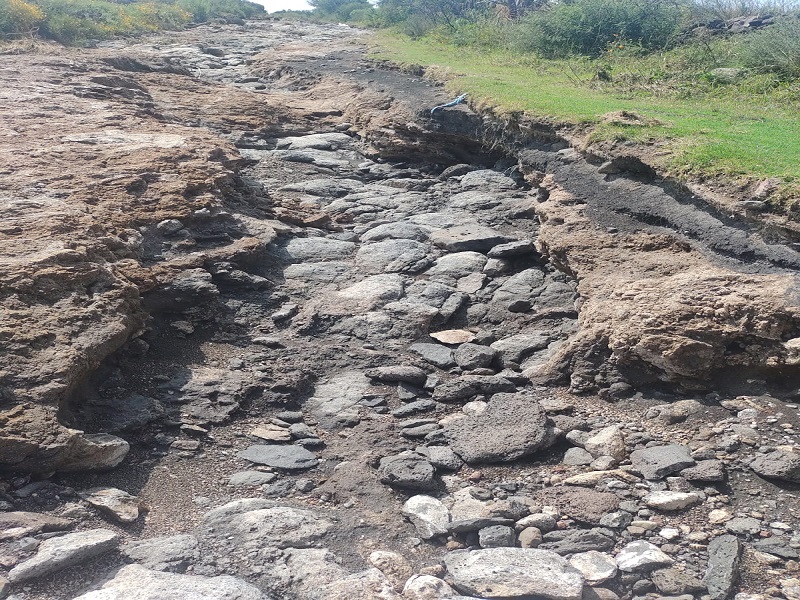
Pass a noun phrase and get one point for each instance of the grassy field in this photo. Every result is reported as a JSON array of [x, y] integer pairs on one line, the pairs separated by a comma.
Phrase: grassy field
[[732, 131]]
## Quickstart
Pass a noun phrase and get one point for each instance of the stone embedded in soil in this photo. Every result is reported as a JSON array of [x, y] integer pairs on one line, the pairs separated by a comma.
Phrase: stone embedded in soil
[[335, 402], [467, 238], [512, 426], [436, 354], [393, 256], [251, 478], [398, 373], [291, 458], [778, 464], [58, 553], [469, 386], [172, 553], [641, 556], [118, 504], [668, 500], [428, 515], [657, 462], [724, 554], [705, 470], [474, 356], [514, 573], [135, 582], [253, 523], [408, 470], [486, 179], [315, 249], [517, 347], [586, 506], [24, 524]]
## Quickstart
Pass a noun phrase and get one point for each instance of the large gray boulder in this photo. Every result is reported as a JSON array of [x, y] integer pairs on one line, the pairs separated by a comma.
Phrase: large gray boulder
[[514, 573], [778, 464], [135, 582], [64, 551], [512, 426]]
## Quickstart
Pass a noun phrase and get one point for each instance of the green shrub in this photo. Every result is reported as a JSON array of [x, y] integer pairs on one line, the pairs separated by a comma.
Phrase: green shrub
[[587, 27], [774, 49], [18, 17]]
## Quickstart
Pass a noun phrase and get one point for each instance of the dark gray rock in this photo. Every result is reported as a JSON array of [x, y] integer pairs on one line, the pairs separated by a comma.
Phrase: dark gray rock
[[58, 553], [474, 356], [408, 470], [413, 408], [574, 541], [705, 470], [777, 547], [469, 386], [496, 536], [724, 553], [743, 526], [397, 374], [436, 354], [518, 248], [477, 523], [291, 458], [657, 462], [512, 426], [778, 464], [393, 256], [441, 457], [174, 553], [467, 238]]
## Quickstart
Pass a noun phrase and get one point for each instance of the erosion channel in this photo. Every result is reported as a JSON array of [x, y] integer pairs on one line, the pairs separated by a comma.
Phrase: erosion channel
[[272, 329]]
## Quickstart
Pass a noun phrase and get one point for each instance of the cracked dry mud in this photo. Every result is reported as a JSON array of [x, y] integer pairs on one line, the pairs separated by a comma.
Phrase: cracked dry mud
[[270, 330]]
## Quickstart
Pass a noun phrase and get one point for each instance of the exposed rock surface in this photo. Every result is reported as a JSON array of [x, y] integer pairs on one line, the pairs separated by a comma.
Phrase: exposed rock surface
[[311, 314]]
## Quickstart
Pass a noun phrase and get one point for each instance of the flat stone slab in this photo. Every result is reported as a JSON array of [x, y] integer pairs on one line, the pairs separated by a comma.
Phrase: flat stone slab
[[778, 464], [253, 524], [64, 551], [118, 504], [292, 458], [514, 573], [659, 461], [135, 582], [641, 556], [468, 238], [512, 426], [173, 553]]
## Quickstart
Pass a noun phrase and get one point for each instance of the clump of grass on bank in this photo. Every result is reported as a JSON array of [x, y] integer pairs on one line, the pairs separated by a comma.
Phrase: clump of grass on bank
[[743, 127], [80, 21]]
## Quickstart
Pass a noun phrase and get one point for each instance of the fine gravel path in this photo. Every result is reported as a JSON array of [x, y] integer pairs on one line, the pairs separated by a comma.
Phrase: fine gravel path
[[381, 358]]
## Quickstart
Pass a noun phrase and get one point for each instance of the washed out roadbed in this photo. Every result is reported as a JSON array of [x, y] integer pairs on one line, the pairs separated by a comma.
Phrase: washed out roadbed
[[270, 329]]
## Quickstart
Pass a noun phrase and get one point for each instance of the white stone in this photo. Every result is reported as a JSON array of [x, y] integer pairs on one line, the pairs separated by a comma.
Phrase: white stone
[[596, 567], [609, 441], [428, 515], [514, 572], [718, 516], [427, 587], [641, 556], [667, 500], [670, 533], [134, 582]]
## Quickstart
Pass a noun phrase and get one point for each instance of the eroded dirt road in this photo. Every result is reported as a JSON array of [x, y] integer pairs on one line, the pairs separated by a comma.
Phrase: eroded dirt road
[[335, 347]]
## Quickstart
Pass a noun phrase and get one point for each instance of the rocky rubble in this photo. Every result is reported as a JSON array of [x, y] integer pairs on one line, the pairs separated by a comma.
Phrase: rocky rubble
[[349, 381]]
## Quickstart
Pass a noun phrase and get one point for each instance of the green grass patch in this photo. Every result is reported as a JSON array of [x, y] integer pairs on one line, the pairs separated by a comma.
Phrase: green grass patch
[[704, 128]]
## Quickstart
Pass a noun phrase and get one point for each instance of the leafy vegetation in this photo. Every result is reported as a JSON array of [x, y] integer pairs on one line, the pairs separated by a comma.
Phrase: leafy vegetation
[[79, 21]]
